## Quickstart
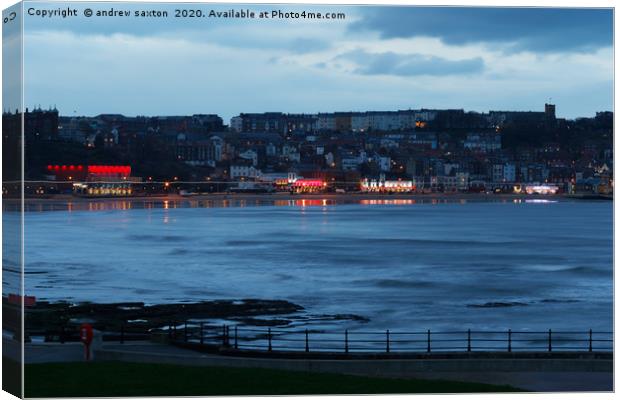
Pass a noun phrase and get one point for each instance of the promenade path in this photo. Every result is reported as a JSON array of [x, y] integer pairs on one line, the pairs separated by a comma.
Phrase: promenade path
[[539, 375]]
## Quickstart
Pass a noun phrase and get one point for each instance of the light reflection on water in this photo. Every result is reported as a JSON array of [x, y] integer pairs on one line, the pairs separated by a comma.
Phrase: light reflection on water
[[127, 204], [403, 263]]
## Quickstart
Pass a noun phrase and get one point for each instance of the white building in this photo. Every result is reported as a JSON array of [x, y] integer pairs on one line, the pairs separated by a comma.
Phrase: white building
[[383, 120], [382, 185], [450, 183], [236, 124], [244, 171]]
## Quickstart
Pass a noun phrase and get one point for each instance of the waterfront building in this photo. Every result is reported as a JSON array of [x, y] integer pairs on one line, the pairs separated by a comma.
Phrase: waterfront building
[[462, 181], [93, 180], [382, 185], [541, 189], [309, 186]]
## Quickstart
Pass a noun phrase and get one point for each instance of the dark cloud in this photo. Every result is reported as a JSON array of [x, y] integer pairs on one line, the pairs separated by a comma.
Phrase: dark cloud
[[390, 63], [515, 29]]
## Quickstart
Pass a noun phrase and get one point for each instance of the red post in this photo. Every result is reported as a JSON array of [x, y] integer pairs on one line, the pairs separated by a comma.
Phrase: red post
[[86, 336]]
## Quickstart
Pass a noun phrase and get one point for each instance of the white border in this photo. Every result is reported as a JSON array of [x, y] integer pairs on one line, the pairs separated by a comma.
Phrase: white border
[[484, 3]]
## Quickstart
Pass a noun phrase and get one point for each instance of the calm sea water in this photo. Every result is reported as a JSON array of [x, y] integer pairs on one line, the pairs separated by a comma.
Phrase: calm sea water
[[484, 265]]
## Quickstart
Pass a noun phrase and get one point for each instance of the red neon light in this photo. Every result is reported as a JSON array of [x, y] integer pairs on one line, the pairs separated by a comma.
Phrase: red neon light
[[56, 167], [109, 169], [308, 183], [49, 167]]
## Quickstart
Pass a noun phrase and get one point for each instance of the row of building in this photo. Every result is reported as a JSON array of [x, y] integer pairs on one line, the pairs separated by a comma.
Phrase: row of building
[[382, 121], [424, 150]]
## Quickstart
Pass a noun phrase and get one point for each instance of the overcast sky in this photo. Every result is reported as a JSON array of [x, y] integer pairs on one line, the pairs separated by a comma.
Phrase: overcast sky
[[378, 58]]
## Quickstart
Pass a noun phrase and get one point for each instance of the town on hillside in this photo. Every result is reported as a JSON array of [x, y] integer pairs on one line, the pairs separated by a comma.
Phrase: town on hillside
[[414, 151]]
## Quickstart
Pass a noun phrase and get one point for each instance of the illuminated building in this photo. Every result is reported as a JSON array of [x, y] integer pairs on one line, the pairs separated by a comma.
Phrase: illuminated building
[[95, 180], [380, 185], [309, 186], [541, 189], [279, 181]]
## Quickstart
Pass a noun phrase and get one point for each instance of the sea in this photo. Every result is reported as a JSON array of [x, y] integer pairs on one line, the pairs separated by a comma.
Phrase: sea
[[398, 264]]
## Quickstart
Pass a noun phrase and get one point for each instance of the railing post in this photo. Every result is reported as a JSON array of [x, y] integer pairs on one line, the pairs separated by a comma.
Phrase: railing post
[[269, 337], [590, 346], [549, 339], [236, 344], [428, 341], [227, 335], [202, 334], [169, 330], [509, 340], [122, 333], [307, 345], [387, 341], [469, 340], [185, 332], [224, 335], [346, 341]]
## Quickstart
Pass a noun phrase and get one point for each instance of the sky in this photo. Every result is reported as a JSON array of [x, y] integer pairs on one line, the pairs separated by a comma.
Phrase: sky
[[11, 56], [377, 58]]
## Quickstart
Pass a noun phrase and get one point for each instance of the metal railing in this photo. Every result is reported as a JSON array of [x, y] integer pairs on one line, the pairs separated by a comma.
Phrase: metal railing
[[281, 340], [244, 338]]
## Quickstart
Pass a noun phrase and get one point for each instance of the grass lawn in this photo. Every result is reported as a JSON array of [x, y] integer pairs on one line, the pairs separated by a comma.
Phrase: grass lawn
[[135, 379], [11, 377]]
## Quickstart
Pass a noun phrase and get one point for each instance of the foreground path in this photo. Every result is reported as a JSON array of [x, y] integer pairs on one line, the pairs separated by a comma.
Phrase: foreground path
[[539, 375]]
